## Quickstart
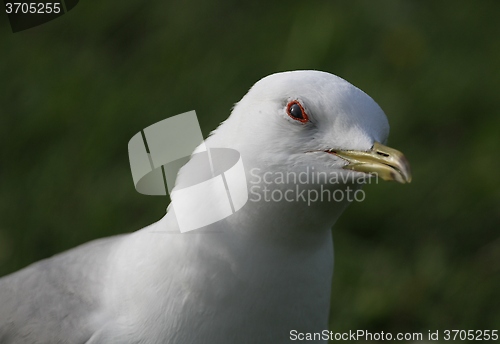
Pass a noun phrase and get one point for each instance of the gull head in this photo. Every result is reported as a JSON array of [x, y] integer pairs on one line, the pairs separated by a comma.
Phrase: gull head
[[312, 120]]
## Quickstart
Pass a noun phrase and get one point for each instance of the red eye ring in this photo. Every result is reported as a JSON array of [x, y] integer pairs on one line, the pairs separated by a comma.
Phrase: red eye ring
[[296, 111]]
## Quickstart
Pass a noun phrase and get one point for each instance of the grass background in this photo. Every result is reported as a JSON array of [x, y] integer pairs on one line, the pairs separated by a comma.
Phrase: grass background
[[418, 257]]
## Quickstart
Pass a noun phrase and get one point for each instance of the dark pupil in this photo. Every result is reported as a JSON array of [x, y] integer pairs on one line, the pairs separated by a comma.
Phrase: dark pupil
[[296, 111]]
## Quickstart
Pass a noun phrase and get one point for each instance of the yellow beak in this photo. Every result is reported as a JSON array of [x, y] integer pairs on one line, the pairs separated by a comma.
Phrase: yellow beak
[[386, 162]]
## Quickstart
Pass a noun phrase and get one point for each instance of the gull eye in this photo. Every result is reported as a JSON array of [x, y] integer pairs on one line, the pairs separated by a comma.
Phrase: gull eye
[[295, 110]]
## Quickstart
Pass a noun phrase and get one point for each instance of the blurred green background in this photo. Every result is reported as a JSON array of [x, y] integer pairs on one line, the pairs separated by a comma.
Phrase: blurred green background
[[418, 257]]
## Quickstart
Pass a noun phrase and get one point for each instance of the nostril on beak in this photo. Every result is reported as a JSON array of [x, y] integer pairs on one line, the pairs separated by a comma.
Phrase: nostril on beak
[[382, 154]]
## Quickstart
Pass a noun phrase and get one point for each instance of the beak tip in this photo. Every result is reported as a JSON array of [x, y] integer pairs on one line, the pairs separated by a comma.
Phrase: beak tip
[[388, 163]]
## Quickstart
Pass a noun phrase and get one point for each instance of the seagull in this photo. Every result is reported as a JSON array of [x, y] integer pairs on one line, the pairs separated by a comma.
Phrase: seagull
[[260, 275]]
